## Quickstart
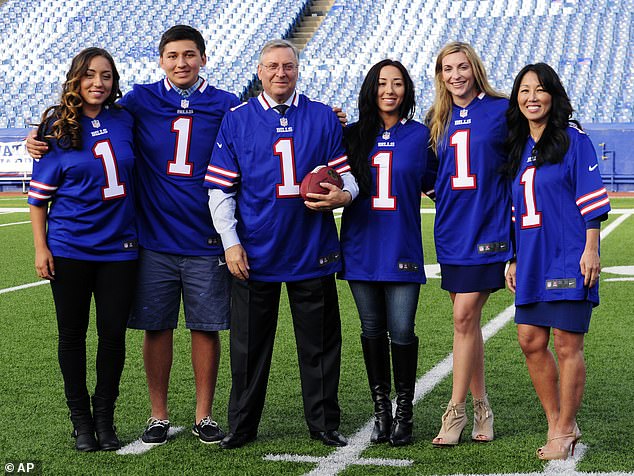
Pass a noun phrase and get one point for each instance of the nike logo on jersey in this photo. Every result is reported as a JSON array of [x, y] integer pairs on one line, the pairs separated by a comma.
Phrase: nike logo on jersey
[[219, 145], [592, 167]]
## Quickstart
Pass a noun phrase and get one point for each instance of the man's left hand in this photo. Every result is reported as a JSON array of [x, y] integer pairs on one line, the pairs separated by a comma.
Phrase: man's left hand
[[341, 115], [335, 198]]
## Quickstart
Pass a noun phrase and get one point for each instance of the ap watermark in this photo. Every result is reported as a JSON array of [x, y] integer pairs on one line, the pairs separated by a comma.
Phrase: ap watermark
[[23, 467]]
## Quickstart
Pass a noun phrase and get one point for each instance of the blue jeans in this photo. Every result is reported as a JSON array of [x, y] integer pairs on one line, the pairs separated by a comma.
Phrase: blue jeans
[[386, 307]]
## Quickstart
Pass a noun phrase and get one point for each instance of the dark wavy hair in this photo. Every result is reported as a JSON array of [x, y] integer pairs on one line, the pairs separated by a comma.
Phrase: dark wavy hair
[[554, 142], [359, 137], [62, 121]]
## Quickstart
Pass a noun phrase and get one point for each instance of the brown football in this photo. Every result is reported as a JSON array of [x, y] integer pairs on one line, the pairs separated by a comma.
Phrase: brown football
[[312, 180]]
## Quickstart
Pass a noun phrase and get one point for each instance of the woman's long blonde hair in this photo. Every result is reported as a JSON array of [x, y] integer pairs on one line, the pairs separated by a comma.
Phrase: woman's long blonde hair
[[439, 114], [62, 121]]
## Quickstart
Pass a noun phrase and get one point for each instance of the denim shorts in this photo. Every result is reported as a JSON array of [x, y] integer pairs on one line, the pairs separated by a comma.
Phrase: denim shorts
[[203, 282]]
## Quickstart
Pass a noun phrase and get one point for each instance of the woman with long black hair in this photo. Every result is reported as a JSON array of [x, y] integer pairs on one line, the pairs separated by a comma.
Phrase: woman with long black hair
[[381, 239], [559, 202]]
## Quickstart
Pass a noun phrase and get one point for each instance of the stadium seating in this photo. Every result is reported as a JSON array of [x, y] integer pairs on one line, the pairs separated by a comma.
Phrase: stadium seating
[[587, 41], [39, 37]]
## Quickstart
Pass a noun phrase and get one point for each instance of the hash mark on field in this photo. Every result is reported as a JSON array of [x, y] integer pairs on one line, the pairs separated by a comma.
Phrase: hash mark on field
[[137, 447]]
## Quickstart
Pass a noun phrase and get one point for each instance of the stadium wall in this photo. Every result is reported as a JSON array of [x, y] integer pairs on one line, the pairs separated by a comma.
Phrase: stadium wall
[[15, 163], [614, 144]]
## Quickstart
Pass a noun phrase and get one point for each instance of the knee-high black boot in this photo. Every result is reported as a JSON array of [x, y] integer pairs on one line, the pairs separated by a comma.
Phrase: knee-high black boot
[[103, 414], [404, 361], [83, 426], [376, 353]]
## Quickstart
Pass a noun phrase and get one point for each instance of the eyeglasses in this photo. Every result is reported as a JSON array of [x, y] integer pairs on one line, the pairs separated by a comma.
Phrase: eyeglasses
[[274, 67]]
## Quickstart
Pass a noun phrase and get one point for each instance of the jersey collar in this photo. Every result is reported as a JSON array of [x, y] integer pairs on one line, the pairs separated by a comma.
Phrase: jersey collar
[[267, 102], [200, 85]]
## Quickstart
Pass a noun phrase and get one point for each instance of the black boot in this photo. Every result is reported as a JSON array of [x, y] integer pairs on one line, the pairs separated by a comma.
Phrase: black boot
[[376, 353], [404, 361], [103, 411], [83, 426]]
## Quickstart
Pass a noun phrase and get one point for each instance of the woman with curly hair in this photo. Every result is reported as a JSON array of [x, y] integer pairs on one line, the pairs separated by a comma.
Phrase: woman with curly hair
[[472, 227], [85, 242], [559, 202], [381, 239]]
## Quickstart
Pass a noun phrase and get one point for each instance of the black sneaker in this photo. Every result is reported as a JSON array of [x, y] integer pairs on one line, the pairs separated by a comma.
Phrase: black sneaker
[[156, 432], [208, 431]]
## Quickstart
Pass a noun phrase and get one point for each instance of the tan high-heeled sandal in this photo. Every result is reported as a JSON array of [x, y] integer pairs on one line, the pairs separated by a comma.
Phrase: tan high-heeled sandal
[[482, 421], [453, 422], [564, 451]]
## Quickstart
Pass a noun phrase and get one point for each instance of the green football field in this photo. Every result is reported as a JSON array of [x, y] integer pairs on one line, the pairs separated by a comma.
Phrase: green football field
[[34, 424]]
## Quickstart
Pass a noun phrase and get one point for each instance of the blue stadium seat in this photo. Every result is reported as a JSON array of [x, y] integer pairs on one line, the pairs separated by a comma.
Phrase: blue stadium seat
[[590, 51]]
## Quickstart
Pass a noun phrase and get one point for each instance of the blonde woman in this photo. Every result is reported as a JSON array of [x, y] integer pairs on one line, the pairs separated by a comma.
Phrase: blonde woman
[[472, 228]]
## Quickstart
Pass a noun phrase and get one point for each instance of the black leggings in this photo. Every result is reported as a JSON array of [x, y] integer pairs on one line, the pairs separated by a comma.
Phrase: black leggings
[[112, 284]]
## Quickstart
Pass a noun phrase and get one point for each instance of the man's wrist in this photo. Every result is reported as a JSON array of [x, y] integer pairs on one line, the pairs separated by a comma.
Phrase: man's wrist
[[348, 198]]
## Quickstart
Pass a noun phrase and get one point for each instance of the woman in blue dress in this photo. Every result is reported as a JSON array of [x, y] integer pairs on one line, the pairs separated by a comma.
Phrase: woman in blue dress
[[559, 202]]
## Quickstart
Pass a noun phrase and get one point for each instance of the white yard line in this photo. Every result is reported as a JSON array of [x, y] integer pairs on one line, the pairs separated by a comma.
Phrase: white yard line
[[625, 214], [137, 447], [15, 223], [14, 210], [24, 286]]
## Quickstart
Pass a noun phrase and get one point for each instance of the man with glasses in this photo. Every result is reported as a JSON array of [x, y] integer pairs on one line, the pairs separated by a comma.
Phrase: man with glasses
[[270, 235]]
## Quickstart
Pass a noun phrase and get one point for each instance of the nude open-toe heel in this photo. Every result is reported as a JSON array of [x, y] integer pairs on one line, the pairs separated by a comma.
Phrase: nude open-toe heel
[[453, 422], [482, 420], [563, 451]]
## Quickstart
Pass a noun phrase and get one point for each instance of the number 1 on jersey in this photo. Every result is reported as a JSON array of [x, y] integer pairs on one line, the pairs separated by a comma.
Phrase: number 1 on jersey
[[289, 187], [383, 200], [463, 180], [114, 189], [181, 165], [532, 218]]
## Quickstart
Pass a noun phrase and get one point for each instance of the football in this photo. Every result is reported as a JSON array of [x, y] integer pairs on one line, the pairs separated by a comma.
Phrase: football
[[313, 179]]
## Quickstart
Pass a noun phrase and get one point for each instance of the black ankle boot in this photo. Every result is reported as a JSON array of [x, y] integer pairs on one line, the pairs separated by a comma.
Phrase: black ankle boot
[[103, 411], [376, 353], [83, 426], [404, 361]]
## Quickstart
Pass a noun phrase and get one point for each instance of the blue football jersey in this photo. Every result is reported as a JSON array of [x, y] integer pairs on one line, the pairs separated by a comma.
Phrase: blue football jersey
[[381, 234], [473, 224], [262, 157], [175, 137], [551, 205], [91, 191]]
